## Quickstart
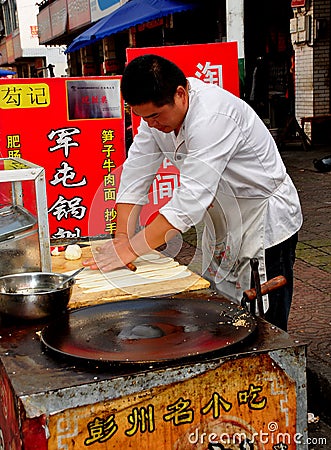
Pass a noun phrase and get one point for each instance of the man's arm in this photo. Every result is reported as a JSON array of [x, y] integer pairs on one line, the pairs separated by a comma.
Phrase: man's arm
[[153, 235], [127, 219], [127, 245]]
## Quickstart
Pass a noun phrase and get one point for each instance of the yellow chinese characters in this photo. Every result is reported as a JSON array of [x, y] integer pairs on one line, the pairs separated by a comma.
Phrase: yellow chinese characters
[[19, 96]]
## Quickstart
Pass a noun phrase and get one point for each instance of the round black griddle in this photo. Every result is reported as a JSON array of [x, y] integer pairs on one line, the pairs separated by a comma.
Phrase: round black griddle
[[148, 330]]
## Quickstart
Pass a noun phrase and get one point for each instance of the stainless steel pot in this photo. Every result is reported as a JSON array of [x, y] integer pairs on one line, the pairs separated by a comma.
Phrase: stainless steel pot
[[34, 295]]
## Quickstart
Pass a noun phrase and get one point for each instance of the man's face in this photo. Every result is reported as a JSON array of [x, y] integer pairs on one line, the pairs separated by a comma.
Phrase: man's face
[[165, 118]]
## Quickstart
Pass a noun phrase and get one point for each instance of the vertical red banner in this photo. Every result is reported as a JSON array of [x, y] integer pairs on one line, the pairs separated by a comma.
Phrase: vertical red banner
[[74, 128], [215, 63]]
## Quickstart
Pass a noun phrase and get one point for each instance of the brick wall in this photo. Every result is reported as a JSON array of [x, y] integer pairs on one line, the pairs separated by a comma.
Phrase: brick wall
[[304, 81], [322, 60], [312, 64]]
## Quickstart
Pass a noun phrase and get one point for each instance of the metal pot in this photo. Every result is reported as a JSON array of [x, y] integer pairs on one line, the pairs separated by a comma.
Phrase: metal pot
[[34, 295]]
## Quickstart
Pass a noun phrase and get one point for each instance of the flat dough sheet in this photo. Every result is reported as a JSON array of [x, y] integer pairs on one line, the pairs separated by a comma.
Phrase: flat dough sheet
[[156, 275], [151, 268]]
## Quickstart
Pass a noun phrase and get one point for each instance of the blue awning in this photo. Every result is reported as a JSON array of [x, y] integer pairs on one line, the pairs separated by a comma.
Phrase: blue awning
[[5, 72], [131, 13]]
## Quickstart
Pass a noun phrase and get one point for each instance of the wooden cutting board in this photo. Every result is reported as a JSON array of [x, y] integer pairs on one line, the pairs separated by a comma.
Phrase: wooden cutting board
[[81, 298]]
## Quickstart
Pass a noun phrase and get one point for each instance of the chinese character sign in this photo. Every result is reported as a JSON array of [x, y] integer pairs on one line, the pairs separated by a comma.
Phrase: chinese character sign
[[215, 63], [74, 128], [247, 403]]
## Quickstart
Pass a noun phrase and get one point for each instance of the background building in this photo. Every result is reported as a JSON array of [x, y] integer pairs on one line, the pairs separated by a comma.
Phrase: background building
[[284, 46], [261, 30], [19, 43], [311, 38]]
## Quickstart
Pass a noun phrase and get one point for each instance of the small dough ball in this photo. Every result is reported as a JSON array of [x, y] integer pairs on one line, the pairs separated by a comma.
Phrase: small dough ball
[[55, 251], [73, 252]]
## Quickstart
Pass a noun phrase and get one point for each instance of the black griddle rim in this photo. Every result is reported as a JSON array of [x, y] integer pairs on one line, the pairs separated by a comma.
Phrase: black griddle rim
[[183, 360]]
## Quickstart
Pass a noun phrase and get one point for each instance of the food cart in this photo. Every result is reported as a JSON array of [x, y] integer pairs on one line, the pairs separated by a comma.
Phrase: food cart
[[215, 377]]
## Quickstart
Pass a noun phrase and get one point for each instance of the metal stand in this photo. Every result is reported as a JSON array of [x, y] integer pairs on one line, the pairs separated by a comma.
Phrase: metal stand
[[27, 189]]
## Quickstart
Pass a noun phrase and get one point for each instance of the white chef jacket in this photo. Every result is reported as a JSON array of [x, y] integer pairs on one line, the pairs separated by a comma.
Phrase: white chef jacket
[[231, 176]]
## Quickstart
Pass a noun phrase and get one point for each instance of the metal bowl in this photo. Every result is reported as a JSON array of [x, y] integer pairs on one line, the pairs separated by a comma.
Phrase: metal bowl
[[34, 295]]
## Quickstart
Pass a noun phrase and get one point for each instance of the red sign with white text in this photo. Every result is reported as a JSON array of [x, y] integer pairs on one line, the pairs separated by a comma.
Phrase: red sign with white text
[[212, 63], [298, 3], [74, 128], [215, 63]]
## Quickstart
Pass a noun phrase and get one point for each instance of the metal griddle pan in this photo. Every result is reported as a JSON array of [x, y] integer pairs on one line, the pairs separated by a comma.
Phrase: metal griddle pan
[[148, 330]]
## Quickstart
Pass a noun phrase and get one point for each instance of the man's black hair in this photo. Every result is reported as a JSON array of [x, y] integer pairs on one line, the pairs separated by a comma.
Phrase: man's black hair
[[151, 78]]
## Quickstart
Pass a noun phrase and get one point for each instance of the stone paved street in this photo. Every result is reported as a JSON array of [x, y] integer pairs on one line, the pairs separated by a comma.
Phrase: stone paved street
[[310, 318]]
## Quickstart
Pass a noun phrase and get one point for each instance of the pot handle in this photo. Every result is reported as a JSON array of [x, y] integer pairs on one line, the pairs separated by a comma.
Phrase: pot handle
[[271, 285], [255, 282]]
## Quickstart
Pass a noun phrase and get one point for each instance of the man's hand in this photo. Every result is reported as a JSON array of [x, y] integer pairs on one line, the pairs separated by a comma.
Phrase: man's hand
[[121, 250], [113, 254]]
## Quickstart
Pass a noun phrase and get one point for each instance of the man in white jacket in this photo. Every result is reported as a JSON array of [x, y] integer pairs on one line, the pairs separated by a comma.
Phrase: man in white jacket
[[231, 177]]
